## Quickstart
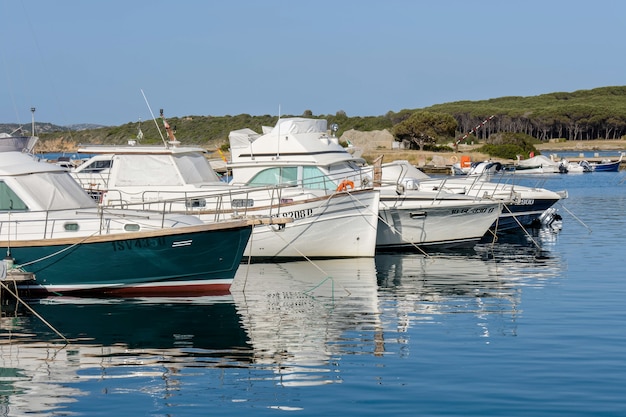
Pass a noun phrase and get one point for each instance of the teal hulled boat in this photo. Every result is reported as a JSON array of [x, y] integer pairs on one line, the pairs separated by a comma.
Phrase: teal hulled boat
[[51, 228], [177, 261]]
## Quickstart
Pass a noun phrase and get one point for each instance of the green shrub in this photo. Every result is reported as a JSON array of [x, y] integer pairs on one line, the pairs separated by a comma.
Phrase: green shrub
[[508, 145], [506, 151], [437, 148]]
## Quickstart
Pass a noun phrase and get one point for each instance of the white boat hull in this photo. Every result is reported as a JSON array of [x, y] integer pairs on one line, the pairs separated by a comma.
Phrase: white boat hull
[[523, 205], [404, 223], [342, 226]]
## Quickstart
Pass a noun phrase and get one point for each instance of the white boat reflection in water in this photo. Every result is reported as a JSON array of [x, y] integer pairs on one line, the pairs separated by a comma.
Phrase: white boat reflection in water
[[301, 315], [284, 324], [486, 282]]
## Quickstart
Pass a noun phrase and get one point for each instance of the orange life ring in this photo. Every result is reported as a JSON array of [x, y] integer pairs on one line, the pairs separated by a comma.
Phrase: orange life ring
[[344, 185]]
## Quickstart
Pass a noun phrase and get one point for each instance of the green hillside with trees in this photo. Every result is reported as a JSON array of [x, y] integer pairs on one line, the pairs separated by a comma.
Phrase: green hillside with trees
[[586, 114], [581, 115]]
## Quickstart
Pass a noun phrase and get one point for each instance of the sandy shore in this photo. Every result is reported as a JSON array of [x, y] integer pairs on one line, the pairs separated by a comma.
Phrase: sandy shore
[[436, 159], [584, 145]]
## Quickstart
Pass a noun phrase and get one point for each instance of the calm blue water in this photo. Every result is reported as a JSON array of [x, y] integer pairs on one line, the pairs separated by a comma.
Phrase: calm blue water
[[512, 329]]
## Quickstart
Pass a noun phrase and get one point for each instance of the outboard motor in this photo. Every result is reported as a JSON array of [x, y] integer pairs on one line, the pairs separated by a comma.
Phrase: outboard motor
[[551, 218]]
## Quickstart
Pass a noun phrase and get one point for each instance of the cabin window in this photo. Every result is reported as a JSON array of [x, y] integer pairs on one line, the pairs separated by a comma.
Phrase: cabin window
[[9, 200], [242, 202], [131, 227], [313, 178], [276, 176], [71, 227], [195, 203], [97, 166]]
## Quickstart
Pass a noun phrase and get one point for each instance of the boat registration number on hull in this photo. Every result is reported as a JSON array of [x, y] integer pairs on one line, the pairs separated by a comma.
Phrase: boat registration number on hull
[[473, 210], [296, 214], [525, 202], [146, 243]]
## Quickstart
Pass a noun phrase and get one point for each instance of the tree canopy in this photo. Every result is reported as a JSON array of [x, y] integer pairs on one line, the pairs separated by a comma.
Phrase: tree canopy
[[423, 127]]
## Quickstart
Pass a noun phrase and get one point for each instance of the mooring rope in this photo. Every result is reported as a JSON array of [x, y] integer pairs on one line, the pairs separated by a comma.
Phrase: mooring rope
[[57, 252], [17, 297], [576, 217]]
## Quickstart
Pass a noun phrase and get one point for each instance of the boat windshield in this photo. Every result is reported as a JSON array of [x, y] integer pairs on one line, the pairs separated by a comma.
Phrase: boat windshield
[[311, 178], [276, 176], [53, 191], [195, 169], [162, 170]]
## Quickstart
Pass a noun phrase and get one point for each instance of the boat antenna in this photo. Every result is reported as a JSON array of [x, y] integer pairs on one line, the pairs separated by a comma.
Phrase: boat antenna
[[154, 118], [278, 127]]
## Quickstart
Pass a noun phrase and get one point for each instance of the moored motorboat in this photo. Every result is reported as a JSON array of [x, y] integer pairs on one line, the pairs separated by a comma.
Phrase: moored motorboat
[[328, 222], [49, 227], [522, 205], [607, 165], [539, 164], [577, 167], [304, 147]]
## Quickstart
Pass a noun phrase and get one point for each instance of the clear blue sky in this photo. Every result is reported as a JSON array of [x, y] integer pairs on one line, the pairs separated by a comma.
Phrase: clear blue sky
[[86, 61]]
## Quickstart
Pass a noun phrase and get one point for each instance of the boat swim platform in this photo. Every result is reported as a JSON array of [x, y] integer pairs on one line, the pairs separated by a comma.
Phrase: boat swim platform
[[16, 275], [10, 279]]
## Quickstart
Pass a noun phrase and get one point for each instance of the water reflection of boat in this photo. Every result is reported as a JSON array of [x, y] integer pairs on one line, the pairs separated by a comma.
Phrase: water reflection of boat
[[283, 322], [287, 324], [298, 315], [485, 283], [112, 339], [209, 322]]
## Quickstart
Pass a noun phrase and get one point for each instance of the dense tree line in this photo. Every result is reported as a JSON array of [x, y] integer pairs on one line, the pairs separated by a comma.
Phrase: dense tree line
[[209, 131], [586, 114]]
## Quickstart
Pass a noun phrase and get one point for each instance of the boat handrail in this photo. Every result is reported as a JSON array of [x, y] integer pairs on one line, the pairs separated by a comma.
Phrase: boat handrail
[[219, 205]]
